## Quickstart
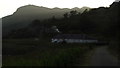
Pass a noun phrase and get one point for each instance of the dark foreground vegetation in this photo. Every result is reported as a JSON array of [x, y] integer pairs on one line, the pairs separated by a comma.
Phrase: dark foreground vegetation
[[28, 52]]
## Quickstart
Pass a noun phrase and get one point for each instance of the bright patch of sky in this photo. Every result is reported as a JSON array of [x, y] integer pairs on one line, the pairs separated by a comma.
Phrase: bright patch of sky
[[7, 7]]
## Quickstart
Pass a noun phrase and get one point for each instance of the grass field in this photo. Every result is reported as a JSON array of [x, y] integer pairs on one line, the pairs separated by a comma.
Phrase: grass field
[[30, 52]]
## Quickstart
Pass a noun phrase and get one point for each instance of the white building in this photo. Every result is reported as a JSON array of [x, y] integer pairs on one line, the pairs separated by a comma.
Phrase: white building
[[73, 38]]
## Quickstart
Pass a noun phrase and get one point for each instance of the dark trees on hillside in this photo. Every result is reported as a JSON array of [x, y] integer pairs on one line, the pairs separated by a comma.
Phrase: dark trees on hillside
[[102, 21], [66, 15], [87, 26], [72, 13], [35, 23]]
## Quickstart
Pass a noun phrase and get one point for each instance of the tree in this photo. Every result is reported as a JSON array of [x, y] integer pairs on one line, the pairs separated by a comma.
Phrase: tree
[[35, 23], [66, 15], [73, 13]]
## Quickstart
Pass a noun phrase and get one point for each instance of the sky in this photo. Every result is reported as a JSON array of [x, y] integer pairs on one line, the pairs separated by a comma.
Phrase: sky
[[8, 7]]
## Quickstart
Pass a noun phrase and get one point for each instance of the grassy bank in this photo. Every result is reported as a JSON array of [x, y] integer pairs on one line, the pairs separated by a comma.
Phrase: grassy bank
[[114, 48], [40, 53]]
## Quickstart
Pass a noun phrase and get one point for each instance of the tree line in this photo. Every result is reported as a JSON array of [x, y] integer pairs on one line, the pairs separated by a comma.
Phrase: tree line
[[100, 21]]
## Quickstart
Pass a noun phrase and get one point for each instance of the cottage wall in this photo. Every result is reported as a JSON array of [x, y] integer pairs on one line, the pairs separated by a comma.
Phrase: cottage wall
[[74, 40]]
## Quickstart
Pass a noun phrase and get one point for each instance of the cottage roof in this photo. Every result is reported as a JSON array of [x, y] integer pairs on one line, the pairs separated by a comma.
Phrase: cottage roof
[[72, 36]]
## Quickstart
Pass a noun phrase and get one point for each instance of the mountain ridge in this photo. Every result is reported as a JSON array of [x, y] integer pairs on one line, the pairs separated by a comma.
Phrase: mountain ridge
[[26, 14], [22, 18]]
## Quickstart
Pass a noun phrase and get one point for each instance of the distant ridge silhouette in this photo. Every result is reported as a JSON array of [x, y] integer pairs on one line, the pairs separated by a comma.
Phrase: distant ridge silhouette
[[25, 14]]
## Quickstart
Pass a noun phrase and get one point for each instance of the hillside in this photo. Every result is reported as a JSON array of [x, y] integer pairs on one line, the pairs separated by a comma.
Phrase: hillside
[[98, 21], [26, 14]]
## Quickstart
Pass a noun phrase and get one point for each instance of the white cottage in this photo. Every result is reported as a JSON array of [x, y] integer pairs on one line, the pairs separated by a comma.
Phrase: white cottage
[[73, 38]]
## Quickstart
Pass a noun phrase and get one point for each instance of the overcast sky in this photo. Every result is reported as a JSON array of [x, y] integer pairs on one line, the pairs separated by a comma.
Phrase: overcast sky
[[7, 7]]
